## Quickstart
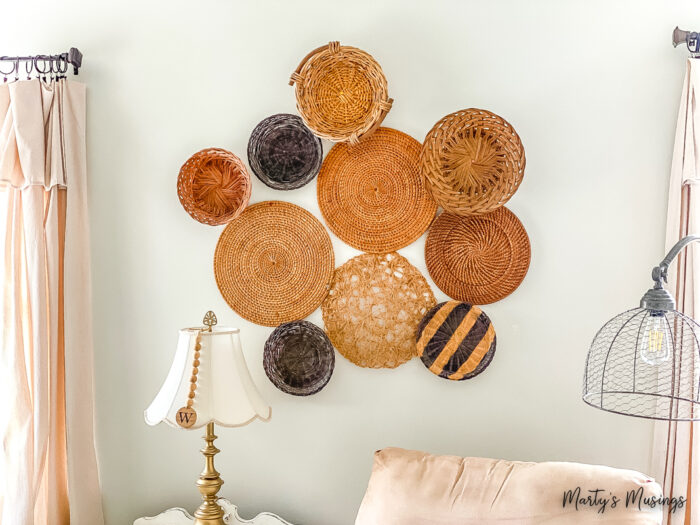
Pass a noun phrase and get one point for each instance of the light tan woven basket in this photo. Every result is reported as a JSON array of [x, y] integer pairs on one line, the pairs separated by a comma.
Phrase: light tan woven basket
[[213, 186], [274, 263], [372, 195], [472, 161], [341, 93]]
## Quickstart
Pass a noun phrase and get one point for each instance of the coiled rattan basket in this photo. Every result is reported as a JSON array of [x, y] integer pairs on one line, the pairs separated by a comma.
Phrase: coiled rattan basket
[[283, 153], [213, 186], [472, 161], [341, 92], [299, 358]]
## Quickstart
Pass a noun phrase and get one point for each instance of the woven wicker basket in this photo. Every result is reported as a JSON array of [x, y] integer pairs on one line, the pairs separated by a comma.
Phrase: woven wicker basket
[[299, 358], [283, 153], [472, 161], [213, 186], [341, 93]]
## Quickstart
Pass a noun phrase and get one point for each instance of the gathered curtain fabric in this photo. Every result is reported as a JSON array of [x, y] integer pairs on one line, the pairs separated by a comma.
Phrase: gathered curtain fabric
[[676, 449], [48, 468]]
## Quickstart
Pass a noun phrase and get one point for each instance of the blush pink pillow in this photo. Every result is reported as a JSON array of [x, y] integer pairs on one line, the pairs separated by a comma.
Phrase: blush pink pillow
[[414, 488]]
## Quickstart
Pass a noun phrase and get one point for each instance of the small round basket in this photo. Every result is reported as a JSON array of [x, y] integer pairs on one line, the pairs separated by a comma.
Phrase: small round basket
[[472, 161], [479, 259], [299, 358], [213, 186], [283, 153], [456, 340], [341, 93], [372, 195]]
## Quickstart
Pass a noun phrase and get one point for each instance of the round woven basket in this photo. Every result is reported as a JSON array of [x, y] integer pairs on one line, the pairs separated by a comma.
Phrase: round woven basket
[[341, 93], [456, 340], [299, 358], [274, 263], [479, 259], [373, 309], [473, 162], [283, 153], [213, 186], [372, 195]]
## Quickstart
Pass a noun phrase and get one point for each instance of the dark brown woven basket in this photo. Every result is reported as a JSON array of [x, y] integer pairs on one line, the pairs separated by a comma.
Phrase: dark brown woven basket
[[299, 358], [283, 153]]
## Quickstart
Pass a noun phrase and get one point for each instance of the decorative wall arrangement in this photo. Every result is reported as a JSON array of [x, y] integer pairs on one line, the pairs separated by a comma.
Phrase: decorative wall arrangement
[[378, 190]]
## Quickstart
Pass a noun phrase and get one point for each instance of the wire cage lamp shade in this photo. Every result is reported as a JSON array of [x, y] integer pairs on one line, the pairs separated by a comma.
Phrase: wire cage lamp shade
[[645, 362]]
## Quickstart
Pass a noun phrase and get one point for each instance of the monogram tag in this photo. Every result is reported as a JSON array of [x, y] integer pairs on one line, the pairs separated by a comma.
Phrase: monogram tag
[[186, 417]]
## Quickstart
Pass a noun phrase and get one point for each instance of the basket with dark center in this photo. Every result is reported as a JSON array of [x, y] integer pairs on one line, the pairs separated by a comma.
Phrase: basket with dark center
[[283, 153], [213, 186], [341, 93], [472, 161], [299, 358]]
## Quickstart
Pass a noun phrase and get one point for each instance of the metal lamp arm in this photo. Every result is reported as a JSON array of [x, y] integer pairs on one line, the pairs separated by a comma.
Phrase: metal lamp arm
[[661, 271]]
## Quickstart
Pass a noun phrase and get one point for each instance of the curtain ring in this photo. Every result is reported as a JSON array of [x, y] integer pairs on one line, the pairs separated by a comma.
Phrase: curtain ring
[[7, 72], [28, 67]]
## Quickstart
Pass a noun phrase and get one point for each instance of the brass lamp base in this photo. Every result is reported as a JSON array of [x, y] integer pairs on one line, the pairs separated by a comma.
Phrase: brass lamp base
[[209, 483]]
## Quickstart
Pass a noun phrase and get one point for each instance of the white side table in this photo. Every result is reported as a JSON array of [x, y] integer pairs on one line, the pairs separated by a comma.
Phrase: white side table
[[179, 516]]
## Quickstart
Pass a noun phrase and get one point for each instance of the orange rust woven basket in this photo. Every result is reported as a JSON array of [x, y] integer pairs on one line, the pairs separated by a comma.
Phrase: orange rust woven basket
[[341, 93], [372, 195], [472, 161], [214, 186], [479, 259]]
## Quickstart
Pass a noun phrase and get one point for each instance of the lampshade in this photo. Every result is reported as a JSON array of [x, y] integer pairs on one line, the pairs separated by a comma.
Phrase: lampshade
[[645, 362], [225, 393]]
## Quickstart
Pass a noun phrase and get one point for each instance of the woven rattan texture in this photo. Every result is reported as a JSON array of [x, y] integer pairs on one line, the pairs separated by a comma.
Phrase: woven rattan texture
[[341, 93], [299, 358], [479, 259], [283, 153], [456, 341], [372, 195], [473, 162], [274, 263], [373, 309], [214, 186]]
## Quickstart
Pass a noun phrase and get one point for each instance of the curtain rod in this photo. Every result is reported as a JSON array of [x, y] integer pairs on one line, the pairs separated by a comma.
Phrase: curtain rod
[[690, 38], [44, 64]]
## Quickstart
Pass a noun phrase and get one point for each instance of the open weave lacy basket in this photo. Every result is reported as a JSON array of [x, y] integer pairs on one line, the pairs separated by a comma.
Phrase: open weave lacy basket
[[472, 161], [374, 307], [213, 186], [341, 93]]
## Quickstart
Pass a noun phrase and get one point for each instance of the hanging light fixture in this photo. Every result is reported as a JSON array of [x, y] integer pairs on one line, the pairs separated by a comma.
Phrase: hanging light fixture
[[646, 361]]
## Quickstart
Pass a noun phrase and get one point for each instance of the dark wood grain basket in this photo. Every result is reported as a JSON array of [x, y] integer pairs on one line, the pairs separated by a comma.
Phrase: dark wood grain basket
[[341, 93], [214, 186], [283, 153], [299, 358]]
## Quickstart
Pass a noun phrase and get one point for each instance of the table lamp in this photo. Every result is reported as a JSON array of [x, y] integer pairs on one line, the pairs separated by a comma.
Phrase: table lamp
[[646, 361], [208, 383]]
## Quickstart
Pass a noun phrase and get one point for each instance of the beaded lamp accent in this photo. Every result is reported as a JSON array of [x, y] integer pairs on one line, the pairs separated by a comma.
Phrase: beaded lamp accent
[[456, 340], [472, 161], [274, 263], [283, 153], [299, 358], [373, 309], [479, 259], [213, 186], [372, 195], [341, 93]]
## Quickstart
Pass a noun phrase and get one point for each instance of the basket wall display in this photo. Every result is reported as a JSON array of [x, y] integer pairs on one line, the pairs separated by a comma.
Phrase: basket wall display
[[299, 358], [373, 309], [274, 263], [213, 186], [456, 340], [283, 153], [372, 195], [473, 162], [479, 259], [341, 93]]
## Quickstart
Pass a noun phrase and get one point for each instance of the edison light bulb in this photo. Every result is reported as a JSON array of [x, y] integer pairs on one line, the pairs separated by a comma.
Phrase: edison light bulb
[[656, 340]]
